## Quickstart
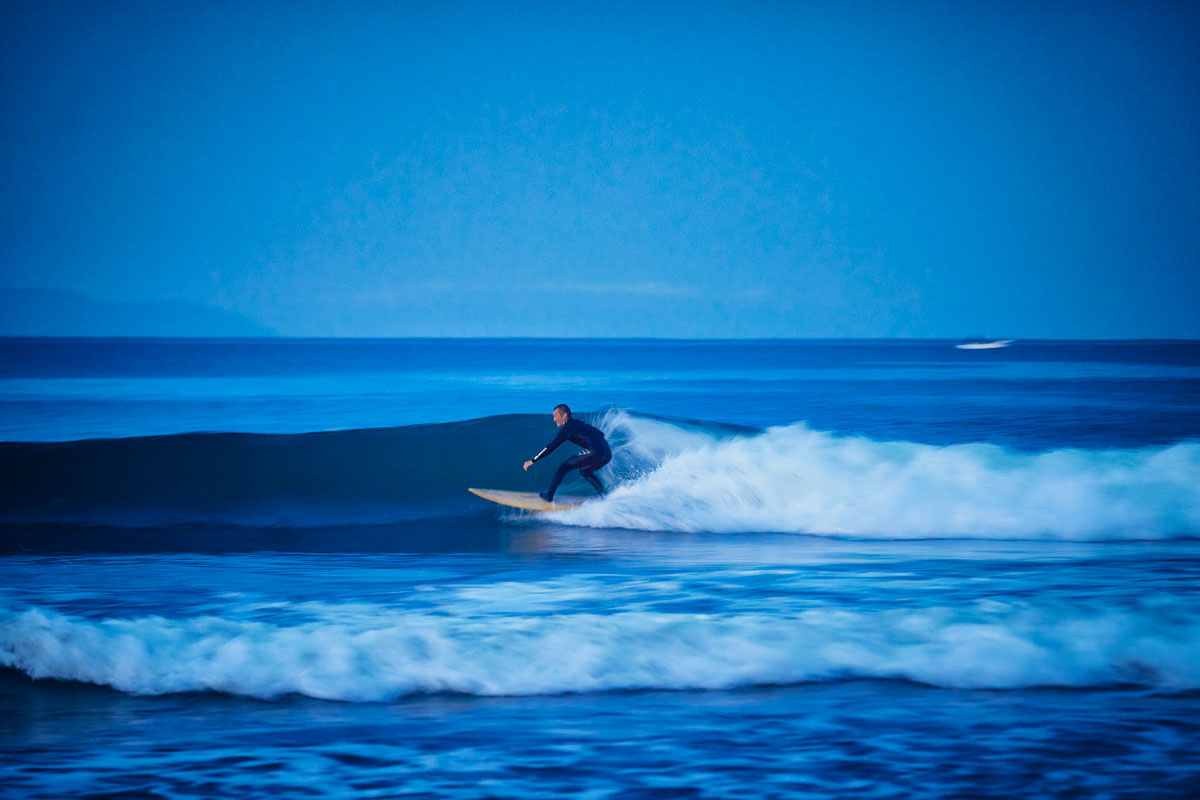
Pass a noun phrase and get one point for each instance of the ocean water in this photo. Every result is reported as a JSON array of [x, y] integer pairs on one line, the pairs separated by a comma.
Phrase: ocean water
[[250, 568]]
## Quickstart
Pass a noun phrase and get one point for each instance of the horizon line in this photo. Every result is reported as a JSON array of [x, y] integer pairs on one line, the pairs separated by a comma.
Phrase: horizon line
[[283, 337]]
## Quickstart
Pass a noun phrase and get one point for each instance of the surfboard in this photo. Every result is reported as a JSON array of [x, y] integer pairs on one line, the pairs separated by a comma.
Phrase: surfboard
[[530, 501]]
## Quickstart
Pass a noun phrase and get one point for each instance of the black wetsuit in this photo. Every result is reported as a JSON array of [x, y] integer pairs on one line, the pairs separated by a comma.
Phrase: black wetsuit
[[596, 453]]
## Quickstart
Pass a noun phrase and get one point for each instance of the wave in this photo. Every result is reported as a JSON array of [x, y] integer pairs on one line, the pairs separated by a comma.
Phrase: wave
[[371, 653], [794, 479], [338, 477], [668, 475]]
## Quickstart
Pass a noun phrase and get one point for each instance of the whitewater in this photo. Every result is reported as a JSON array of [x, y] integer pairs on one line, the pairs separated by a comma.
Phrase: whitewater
[[251, 568], [377, 652], [803, 481]]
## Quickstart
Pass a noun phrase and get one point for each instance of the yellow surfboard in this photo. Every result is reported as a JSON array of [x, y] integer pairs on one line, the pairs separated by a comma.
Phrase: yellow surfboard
[[530, 501]]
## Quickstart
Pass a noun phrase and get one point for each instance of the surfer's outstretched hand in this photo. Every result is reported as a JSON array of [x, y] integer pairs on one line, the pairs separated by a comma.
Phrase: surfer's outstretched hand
[[528, 464]]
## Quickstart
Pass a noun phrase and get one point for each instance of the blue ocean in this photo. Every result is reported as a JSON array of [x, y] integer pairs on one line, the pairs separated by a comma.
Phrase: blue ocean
[[824, 569]]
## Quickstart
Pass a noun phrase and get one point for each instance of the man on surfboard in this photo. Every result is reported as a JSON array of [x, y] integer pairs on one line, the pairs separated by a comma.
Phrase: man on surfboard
[[596, 452]]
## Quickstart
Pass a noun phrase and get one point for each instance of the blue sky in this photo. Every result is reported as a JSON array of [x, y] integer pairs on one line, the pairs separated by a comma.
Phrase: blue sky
[[829, 169]]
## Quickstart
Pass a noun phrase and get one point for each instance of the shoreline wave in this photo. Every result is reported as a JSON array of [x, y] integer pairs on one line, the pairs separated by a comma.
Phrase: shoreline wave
[[372, 654]]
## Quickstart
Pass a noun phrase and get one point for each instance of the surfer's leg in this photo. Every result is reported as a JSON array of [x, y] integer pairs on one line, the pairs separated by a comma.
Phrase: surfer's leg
[[574, 462], [589, 472], [591, 478]]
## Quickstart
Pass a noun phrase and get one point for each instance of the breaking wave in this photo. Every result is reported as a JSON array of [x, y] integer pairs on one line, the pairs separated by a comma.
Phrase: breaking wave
[[669, 475], [371, 653], [794, 479]]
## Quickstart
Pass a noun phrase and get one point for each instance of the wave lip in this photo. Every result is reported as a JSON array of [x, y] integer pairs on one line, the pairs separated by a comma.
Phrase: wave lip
[[794, 479], [370, 654]]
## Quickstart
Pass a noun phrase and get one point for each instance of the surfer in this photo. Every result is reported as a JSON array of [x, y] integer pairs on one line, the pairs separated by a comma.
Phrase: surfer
[[596, 452]]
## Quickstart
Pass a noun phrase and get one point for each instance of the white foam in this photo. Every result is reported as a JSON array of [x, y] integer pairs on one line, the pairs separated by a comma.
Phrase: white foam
[[359, 653], [793, 479]]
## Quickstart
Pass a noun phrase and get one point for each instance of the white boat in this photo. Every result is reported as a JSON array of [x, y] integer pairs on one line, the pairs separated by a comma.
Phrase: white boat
[[984, 344]]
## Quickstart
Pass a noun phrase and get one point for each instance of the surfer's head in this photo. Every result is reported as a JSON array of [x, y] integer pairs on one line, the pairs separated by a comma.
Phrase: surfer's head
[[562, 413]]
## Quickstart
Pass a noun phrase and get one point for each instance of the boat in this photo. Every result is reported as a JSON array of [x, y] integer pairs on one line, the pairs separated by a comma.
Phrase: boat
[[984, 344]]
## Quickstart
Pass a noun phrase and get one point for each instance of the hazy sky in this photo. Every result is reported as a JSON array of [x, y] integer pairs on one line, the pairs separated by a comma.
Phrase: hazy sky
[[612, 169]]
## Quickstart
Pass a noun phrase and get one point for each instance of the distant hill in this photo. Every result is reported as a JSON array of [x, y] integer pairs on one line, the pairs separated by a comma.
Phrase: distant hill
[[50, 312]]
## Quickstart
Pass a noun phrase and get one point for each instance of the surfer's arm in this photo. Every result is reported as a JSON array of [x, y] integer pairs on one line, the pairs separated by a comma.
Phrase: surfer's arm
[[548, 449]]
